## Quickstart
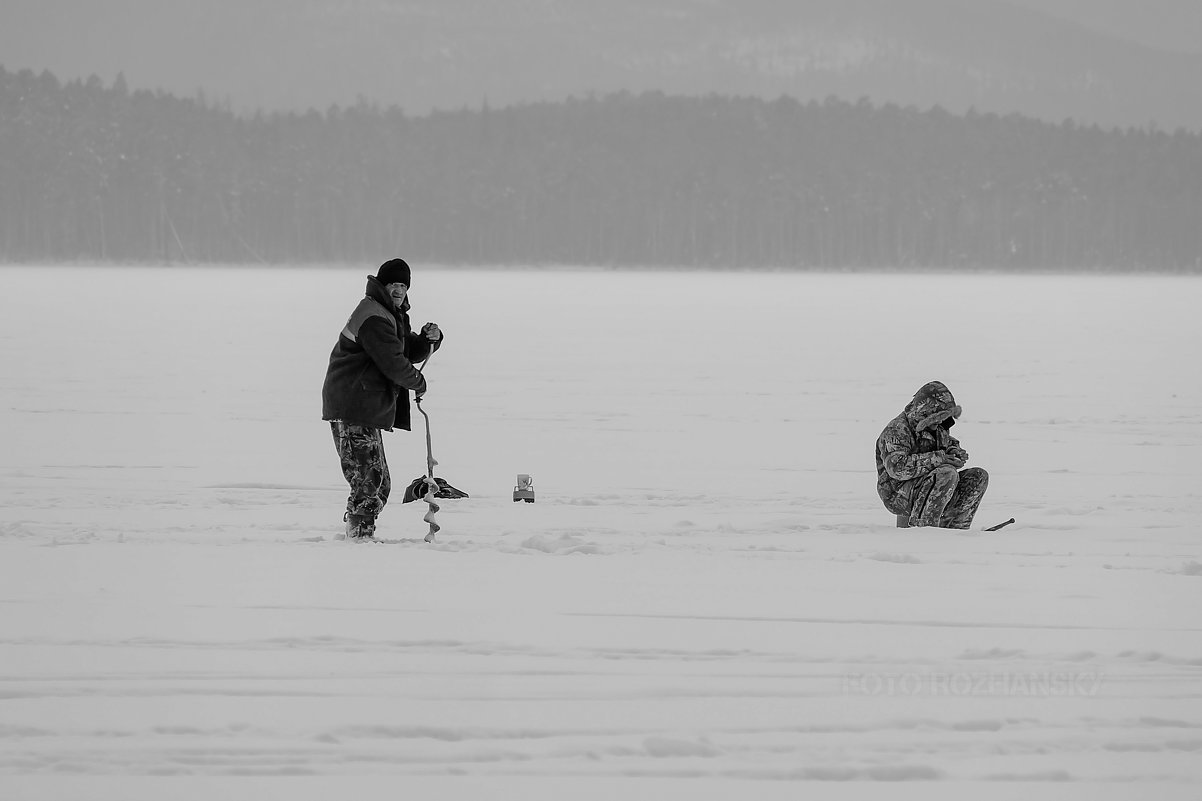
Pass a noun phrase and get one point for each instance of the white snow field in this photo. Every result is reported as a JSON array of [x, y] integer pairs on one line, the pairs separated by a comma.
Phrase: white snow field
[[706, 599]]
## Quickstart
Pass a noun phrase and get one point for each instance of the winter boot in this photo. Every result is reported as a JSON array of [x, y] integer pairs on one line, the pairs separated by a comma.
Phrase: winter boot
[[360, 527]]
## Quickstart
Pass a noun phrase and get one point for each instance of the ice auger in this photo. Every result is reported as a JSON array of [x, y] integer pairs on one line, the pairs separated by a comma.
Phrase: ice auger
[[429, 487]]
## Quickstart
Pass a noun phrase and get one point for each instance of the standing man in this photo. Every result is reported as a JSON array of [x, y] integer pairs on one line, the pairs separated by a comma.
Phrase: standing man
[[367, 386], [918, 464]]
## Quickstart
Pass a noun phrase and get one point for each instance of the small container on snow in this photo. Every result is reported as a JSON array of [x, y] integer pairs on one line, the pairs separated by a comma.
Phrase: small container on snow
[[524, 489]]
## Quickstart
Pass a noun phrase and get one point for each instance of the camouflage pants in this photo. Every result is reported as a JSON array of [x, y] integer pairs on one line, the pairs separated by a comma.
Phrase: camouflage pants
[[947, 498], [361, 451]]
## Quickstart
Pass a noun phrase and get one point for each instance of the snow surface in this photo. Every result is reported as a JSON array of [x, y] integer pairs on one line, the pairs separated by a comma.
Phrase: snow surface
[[706, 600]]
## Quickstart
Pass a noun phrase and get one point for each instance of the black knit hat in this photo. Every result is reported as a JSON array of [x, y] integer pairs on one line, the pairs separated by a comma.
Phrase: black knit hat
[[395, 271]]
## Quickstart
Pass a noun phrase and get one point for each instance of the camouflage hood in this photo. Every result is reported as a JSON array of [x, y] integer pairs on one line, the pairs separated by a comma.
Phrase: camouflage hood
[[932, 404]]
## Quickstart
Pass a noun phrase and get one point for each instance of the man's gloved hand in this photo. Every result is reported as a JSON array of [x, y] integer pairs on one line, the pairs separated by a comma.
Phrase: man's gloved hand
[[956, 457], [432, 332]]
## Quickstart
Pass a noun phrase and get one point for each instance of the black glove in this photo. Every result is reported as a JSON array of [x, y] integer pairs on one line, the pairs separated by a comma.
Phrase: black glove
[[955, 457]]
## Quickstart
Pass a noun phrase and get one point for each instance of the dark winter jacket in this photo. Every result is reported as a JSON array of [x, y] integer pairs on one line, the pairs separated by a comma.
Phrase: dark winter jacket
[[913, 444], [371, 367]]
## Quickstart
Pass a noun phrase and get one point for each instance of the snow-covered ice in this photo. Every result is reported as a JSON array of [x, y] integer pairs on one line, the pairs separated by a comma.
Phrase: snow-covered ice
[[706, 599]]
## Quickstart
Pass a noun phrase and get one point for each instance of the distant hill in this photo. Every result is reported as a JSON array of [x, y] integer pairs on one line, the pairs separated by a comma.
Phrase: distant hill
[[423, 54], [102, 173]]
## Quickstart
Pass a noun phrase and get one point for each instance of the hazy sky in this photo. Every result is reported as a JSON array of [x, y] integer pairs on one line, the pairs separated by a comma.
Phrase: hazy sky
[[1173, 24], [1169, 24], [262, 53]]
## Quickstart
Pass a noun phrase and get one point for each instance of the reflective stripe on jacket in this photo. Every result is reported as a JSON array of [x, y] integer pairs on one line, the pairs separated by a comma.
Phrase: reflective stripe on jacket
[[371, 367]]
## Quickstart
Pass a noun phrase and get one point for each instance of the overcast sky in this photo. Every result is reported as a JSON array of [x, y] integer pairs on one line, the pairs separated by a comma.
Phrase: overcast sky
[[1173, 24], [247, 50], [1168, 24]]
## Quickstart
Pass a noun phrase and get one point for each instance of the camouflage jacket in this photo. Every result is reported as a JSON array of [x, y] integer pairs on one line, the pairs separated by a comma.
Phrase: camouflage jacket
[[913, 444], [371, 367]]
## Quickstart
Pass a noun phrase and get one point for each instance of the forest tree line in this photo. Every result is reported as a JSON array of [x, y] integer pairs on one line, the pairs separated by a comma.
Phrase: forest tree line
[[96, 172]]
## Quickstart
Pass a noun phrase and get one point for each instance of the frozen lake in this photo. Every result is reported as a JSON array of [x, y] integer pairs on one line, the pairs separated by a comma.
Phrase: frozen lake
[[707, 599]]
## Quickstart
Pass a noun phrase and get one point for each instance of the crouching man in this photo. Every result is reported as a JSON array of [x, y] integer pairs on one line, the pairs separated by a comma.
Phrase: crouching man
[[918, 464]]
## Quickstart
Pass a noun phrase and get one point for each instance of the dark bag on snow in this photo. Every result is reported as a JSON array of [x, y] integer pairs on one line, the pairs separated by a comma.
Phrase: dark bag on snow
[[418, 488]]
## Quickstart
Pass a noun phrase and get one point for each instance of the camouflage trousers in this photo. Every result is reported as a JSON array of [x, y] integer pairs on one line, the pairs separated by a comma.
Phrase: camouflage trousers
[[947, 498], [361, 451]]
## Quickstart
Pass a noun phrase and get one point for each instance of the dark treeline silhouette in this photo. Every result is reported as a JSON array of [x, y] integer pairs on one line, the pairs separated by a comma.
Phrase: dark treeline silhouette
[[89, 172]]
